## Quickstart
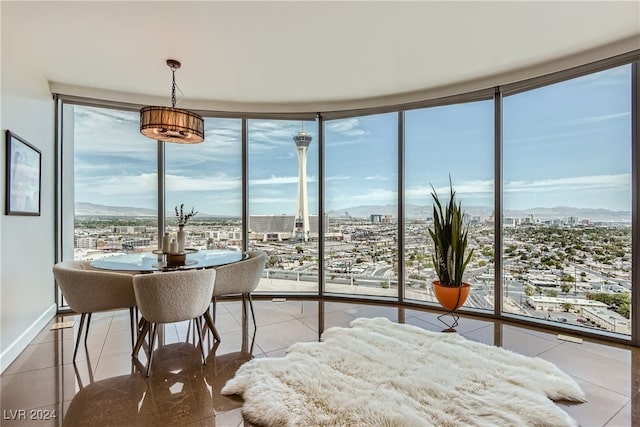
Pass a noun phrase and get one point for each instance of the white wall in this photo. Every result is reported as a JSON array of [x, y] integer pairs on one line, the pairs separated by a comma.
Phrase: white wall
[[27, 300]]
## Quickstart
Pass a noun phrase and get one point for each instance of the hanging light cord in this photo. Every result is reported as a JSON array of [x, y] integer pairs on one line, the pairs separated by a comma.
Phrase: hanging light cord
[[173, 88]]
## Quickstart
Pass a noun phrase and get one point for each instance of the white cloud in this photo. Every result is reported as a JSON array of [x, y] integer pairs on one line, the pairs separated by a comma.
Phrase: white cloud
[[376, 195], [146, 183], [287, 156], [271, 201], [275, 180], [548, 138], [202, 183], [600, 118], [279, 180], [468, 188], [265, 135], [347, 127], [110, 132], [575, 184]]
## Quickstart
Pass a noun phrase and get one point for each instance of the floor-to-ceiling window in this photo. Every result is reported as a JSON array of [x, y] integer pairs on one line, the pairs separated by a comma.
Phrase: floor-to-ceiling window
[[566, 194], [282, 202], [446, 145], [361, 202], [207, 178], [567, 201], [112, 184]]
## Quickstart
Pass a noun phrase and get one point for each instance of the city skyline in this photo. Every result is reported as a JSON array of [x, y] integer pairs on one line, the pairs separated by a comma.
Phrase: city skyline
[[564, 145]]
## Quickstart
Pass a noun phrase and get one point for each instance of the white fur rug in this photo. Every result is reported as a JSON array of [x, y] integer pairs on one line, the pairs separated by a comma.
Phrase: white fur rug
[[380, 373]]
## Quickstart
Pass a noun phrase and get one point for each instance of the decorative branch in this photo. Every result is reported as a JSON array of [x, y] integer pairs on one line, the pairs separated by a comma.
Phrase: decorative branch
[[182, 217]]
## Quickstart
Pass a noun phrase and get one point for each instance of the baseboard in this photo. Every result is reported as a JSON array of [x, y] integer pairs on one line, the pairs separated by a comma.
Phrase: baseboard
[[16, 347]]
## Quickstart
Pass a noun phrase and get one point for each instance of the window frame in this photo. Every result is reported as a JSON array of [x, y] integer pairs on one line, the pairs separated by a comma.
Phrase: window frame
[[495, 93]]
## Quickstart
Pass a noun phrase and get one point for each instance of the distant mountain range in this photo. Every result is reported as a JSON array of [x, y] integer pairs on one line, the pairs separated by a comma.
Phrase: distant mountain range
[[558, 212], [411, 211], [93, 209]]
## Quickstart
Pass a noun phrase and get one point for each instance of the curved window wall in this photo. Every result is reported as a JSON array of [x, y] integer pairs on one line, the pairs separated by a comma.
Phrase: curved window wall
[[567, 202], [283, 164], [207, 178], [111, 190], [361, 202], [453, 141], [554, 157]]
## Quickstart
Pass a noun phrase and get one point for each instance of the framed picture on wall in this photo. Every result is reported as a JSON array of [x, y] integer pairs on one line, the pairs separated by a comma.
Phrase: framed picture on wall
[[23, 179]]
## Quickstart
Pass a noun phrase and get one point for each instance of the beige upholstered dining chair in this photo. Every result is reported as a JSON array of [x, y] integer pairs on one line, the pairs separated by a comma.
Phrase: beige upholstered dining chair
[[240, 278], [173, 296], [88, 291]]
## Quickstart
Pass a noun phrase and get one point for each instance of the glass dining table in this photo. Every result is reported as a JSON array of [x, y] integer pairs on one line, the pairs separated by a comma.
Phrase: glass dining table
[[146, 262], [149, 262]]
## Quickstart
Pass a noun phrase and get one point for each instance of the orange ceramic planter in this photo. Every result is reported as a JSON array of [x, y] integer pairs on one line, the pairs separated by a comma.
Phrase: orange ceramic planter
[[451, 298]]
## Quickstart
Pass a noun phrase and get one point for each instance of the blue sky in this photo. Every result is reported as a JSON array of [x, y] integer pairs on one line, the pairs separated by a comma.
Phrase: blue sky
[[567, 144]]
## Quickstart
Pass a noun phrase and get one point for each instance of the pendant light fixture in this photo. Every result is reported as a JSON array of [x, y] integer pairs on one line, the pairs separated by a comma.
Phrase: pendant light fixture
[[172, 124]]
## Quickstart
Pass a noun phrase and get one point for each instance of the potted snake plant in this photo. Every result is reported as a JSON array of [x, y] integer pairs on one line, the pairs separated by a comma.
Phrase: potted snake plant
[[450, 256]]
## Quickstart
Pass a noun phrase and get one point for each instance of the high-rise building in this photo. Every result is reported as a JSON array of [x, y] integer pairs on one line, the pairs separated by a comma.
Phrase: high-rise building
[[301, 221]]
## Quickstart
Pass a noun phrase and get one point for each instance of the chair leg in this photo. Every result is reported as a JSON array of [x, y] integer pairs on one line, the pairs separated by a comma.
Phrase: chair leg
[[82, 316], [143, 330], [86, 333], [212, 314], [132, 321], [212, 326], [153, 337], [150, 330], [253, 313], [244, 310], [186, 338], [199, 328]]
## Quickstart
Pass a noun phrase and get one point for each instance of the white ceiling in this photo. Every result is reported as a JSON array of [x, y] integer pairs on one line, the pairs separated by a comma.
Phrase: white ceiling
[[303, 53]]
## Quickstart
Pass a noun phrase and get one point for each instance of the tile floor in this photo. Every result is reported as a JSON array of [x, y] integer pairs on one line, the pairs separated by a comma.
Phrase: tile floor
[[105, 387]]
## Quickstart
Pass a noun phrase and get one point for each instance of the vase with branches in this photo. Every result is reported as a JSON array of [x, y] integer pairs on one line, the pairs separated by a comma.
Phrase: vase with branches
[[183, 217]]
